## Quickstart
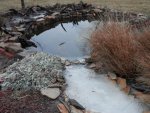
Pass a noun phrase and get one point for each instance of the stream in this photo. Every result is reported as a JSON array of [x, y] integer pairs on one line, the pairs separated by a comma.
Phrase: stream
[[94, 91]]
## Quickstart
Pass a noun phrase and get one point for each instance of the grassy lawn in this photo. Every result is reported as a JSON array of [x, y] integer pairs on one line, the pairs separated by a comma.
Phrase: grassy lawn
[[142, 6]]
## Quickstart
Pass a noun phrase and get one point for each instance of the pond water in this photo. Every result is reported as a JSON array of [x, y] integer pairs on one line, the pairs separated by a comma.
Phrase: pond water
[[72, 43]]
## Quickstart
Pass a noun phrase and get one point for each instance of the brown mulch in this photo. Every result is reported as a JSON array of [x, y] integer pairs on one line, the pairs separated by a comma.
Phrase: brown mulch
[[28, 102]]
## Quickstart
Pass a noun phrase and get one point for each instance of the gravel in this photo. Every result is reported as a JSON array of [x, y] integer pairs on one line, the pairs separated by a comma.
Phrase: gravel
[[35, 71]]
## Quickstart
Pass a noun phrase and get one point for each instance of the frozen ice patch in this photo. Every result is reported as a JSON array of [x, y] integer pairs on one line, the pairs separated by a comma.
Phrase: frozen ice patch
[[98, 94]]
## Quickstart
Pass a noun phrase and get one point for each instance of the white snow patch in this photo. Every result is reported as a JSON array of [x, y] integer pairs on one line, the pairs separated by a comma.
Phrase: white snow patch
[[96, 93]]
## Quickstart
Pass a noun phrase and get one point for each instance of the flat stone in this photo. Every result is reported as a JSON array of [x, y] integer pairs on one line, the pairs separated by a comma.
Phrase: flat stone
[[50, 17], [55, 14], [67, 63], [89, 112], [112, 76], [62, 108], [76, 62], [121, 82], [127, 90], [52, 93], [145, 98], [92, 66], [75, 110], [15, 47], [76, 104]]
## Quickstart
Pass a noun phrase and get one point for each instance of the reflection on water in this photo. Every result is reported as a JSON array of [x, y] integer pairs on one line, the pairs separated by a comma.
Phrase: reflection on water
[[72, 43]]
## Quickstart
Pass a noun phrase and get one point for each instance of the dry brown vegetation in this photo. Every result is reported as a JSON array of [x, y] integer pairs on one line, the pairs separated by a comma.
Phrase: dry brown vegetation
[[120, 50], [144, 41]]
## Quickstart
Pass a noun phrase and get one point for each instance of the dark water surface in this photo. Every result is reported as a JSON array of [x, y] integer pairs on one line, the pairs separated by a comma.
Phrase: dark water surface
[[72, 43]]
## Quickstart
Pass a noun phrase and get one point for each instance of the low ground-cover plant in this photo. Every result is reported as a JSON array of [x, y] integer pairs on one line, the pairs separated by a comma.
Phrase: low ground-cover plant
[[118, 47]]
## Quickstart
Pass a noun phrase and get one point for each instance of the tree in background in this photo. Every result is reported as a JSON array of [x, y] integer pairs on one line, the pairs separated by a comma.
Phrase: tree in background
[[22, 4]]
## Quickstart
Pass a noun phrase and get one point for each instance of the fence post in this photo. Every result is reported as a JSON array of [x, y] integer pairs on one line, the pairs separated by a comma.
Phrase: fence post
[[22, 4]]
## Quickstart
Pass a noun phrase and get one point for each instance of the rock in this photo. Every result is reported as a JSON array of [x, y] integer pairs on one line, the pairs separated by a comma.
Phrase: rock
[[15, 47], [127, 90], [121, 82], [113, 81], [21, 29], [89, 112], [2, 44], [145, 98], [50, 17], [52, 93], [76, 104], [67, 63], [76, 62], [112, 76], [16, 33], [55, 14], [13, 39], [62, 108], [74, 110], [91, 66]]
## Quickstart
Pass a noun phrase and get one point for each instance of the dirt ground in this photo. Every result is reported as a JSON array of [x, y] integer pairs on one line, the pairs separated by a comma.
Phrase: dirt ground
[[128, 5]]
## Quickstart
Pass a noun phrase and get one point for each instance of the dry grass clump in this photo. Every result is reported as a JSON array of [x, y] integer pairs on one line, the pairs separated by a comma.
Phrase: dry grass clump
[[144, 40], [144, 52], [115, 46]]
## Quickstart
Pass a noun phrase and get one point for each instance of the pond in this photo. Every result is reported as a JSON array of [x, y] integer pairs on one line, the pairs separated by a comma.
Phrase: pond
[[96, 93], [69, 41]]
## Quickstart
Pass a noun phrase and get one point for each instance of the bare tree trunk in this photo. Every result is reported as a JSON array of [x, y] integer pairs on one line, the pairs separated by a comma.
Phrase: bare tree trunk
[[22, 4]]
